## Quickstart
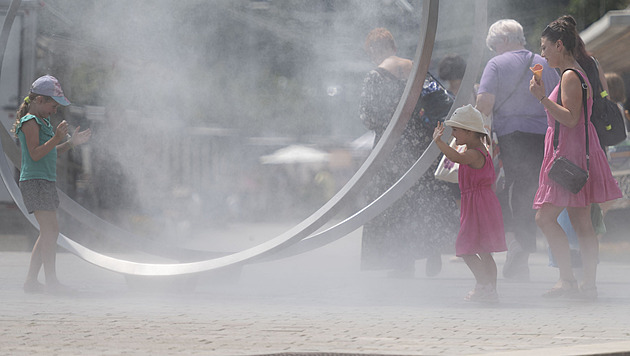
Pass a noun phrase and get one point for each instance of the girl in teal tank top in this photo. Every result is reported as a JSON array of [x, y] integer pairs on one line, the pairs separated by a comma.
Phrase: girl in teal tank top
[[40, 145]]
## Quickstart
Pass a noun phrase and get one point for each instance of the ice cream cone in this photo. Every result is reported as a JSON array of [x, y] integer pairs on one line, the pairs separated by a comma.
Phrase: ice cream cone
[[537, 70]]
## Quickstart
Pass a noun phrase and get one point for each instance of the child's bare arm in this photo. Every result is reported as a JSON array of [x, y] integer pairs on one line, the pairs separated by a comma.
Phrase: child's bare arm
[[448, 151], [472, 158]]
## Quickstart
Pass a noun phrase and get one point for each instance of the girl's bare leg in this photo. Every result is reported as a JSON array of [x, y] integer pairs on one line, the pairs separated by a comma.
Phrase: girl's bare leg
[[36, 263], [45, 249], [490, 268], [478, 268]]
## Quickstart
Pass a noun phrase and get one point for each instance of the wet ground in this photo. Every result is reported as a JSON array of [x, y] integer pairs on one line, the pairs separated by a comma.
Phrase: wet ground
[[315, 303]]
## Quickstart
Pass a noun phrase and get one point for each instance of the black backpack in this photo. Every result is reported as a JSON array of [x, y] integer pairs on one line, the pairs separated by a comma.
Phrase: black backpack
[[606, 116], [434, 103]]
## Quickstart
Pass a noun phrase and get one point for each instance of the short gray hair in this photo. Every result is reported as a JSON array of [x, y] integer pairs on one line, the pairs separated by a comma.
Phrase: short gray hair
[[507, 29]]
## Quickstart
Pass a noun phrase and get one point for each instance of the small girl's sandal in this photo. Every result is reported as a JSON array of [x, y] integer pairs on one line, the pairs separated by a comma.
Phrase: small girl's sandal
[[470, 296], [473, 294], [483, 294]]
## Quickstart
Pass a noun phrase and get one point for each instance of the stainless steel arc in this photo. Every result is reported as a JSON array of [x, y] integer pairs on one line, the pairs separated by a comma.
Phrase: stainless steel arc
[[297, 239], [418, 169]]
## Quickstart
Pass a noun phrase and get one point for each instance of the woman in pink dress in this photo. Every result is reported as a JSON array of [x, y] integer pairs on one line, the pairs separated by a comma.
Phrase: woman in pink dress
[[481, 222], [562, 47]]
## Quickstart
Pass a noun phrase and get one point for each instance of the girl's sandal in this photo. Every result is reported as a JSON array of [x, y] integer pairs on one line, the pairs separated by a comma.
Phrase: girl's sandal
[[483, 294], [473, 294], [470, 296], [34, 287], [59, 289], [566, 288]]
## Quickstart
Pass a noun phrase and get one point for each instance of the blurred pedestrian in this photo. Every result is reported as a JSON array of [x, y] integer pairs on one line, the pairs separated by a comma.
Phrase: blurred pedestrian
[[481, 232], [617, 92], [562, 47], [422, 222], [452, 68], [519, 122], [40, 145]]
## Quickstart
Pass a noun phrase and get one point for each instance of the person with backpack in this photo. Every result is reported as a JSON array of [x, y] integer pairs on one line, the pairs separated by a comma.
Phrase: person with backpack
[[570, 136]]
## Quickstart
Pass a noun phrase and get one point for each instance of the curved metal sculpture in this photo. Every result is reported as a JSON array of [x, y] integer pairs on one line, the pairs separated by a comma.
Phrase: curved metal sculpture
[[417, 169], [298, 239]]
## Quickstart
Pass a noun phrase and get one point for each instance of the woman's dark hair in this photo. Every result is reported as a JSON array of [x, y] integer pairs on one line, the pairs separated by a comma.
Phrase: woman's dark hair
[[565, 29]]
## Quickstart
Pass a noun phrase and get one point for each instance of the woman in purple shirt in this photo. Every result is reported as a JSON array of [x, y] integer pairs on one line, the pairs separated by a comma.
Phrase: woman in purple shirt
[[520, 123]]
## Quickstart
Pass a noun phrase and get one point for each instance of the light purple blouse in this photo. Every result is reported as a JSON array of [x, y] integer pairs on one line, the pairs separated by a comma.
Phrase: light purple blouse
[[521, 112]]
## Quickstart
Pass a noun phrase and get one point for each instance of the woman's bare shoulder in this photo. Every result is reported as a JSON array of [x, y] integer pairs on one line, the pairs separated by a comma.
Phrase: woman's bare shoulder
[[400, 67]]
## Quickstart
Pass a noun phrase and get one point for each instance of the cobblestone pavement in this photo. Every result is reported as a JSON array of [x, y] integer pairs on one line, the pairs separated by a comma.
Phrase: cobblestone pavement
[[317, 303]]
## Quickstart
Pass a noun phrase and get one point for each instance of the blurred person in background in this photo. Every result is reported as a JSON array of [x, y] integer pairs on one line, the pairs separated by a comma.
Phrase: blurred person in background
[[452, 68], [618, 153], [617, 92]]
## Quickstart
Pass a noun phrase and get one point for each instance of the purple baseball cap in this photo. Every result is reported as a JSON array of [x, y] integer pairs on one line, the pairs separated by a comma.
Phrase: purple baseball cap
[[49, 86]]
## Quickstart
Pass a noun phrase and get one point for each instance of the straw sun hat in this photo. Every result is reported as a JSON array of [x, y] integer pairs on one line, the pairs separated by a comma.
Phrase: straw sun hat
[[468, 118]]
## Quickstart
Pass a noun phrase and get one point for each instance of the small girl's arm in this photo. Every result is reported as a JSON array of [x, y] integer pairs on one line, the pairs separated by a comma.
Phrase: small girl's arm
[[448, 151]]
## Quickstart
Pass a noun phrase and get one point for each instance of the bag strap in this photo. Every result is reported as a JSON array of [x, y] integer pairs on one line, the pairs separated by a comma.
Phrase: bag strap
[[556, 131], [600, 87], [440, 85], [531, 60], [384, 72]]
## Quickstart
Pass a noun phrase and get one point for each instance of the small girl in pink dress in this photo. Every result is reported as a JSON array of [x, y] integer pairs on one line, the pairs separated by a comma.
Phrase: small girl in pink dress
[[481, 222]]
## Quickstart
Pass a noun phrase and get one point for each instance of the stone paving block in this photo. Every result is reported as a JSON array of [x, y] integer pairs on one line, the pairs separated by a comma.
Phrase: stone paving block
[[285, 307]]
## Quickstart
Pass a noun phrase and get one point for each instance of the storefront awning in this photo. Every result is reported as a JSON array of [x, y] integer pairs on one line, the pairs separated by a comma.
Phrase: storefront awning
[[608, 39]]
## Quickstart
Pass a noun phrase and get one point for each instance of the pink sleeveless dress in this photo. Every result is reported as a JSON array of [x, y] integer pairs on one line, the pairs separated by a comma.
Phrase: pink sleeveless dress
[[600, 186], [481, 221]]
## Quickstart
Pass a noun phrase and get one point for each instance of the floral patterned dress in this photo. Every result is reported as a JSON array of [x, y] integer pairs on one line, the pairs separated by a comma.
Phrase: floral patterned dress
[[425, 220]]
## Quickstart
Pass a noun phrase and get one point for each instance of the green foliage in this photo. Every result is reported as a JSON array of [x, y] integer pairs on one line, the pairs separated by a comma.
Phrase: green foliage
[[588, 11]]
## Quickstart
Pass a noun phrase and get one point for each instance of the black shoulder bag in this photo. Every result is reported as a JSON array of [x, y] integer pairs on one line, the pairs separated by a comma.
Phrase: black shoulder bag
[[564, 172]]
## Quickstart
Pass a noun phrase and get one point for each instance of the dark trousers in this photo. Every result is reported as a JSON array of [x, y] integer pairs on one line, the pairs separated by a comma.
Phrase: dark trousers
[[522, 155]]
